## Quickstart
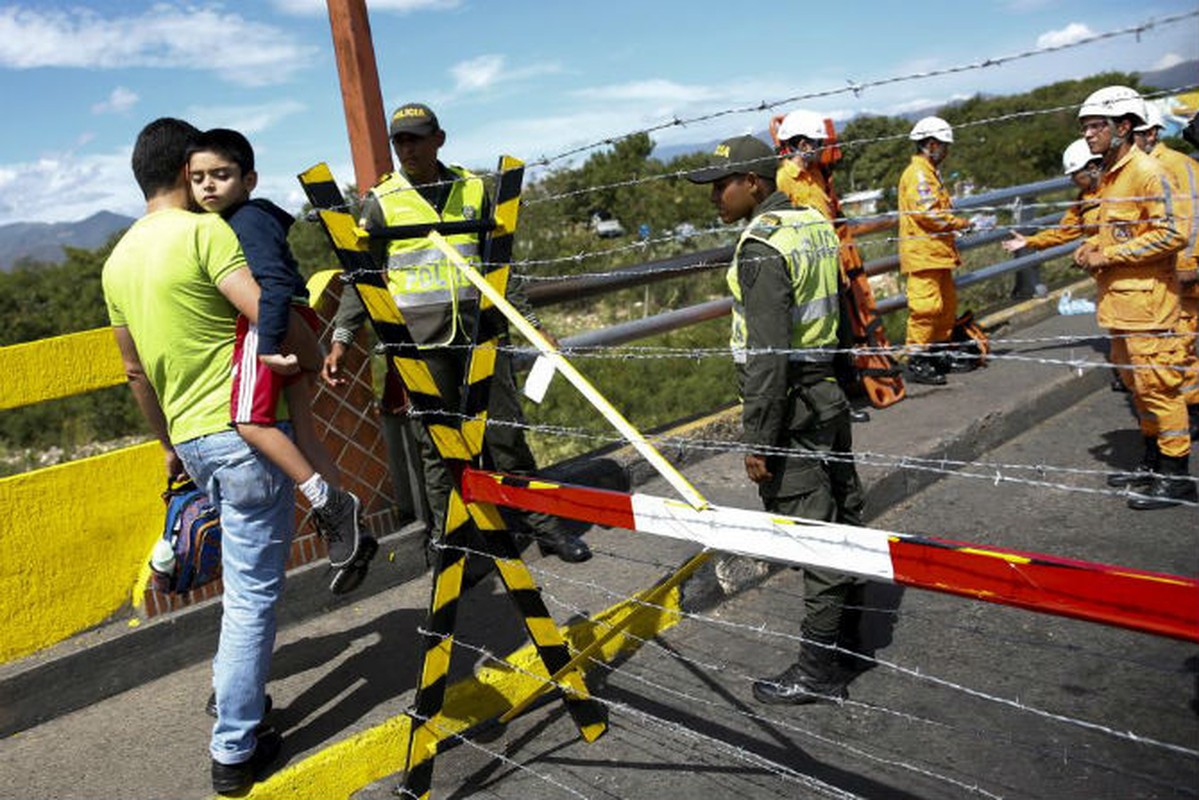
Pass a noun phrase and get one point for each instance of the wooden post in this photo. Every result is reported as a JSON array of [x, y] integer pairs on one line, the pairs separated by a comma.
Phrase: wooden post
[[366, 121]]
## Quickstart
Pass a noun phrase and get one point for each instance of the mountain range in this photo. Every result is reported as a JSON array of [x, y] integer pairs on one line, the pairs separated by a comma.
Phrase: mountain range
[[43, 242]]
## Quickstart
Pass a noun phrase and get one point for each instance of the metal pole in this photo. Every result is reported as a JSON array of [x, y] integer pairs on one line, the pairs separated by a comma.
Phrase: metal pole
[[1028, 281], [360, 93]]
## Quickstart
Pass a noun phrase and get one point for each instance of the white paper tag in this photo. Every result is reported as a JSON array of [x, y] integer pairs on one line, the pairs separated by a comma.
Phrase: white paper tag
[[539, 379]]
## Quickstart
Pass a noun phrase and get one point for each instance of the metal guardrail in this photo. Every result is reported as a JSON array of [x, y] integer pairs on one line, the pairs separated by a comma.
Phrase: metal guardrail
[[580, 287]]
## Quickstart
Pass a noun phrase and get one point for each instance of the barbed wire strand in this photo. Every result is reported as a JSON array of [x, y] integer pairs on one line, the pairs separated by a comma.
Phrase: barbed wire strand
[[724, 667], [779, 770], [855, 88], [992, 472], [1016, 704]]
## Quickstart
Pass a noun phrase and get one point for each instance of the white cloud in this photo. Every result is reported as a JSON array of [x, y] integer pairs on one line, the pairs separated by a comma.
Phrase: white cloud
[[1074, 32], [65, 187], [1167, 61], [119, 100], [318, 7], [247, 119], [162, 36], [477, 73], [487, 71], [656, 89]]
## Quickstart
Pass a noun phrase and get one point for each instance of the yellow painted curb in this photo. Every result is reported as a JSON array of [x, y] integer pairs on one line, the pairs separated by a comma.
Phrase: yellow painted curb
[[344, 767]]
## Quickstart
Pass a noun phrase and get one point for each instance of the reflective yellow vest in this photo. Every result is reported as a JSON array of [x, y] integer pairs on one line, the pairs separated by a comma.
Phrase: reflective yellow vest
[[810, 248], [427, 288]]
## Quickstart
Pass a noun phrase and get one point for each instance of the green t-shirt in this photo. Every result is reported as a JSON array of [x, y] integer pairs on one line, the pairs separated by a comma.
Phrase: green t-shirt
[[160, 282]]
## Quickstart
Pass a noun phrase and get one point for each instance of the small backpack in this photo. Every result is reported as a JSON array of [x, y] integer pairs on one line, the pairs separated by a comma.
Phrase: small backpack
[[193, 531]]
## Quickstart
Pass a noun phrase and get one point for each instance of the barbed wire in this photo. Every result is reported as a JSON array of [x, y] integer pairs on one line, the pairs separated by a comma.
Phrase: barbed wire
[[638, 180], [763, 630], [992, 472], [730, 232], [454, 736], [841, 144], [749, 757], [721, 667], [856, 88]]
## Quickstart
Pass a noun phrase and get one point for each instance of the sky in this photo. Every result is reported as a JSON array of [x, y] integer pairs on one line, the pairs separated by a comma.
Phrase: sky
[[534, 79]]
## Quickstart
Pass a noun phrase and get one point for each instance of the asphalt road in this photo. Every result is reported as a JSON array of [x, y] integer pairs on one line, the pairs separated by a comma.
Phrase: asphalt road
[[969, 699]]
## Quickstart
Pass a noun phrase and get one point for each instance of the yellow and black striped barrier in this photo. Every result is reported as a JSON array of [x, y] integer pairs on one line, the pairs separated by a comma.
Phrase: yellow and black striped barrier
[[458, 436]]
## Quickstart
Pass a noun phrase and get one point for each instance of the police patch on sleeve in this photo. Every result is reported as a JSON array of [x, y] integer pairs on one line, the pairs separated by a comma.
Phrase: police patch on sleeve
[[764, 226]]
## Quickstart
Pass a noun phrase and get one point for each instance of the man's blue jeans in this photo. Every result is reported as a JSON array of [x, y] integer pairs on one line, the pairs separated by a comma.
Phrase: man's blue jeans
[[257, 504]]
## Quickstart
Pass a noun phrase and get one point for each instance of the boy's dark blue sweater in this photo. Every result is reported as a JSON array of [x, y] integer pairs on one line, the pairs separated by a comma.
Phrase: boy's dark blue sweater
[[261, 227]]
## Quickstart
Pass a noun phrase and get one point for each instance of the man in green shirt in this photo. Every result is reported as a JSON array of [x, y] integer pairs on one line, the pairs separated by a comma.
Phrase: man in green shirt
[[173, 286]]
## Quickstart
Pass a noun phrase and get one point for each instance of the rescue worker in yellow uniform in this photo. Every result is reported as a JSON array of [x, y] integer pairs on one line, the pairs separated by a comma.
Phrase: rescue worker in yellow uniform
[[784, 280], [1132, 258], [437, 304], [928, 254], [801, 136], [1184, 180], [1084, 168]]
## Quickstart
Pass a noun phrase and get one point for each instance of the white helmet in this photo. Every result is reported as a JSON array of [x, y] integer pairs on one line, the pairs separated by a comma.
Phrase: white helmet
[[808, 124], [1153, 118], [1113, 101], [1077, 156], [932, 128]]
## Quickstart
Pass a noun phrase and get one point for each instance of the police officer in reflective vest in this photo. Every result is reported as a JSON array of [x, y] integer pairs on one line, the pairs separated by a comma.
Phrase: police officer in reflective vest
[[437, 304], [795, 419]]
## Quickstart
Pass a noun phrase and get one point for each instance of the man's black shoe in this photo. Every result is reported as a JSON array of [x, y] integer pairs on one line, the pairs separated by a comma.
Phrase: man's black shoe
[[567, 547], [859, 415], [210, 706], [1172, 486], [922, 370], [814, 678], [236, 778], [1142, 476], [961, 362]]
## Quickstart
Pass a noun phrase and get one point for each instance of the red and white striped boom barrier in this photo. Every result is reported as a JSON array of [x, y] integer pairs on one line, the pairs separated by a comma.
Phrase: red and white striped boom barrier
[[1152, 602]]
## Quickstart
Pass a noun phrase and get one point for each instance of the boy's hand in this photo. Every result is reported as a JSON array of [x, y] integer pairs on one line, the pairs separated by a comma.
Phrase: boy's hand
[[283, 364]]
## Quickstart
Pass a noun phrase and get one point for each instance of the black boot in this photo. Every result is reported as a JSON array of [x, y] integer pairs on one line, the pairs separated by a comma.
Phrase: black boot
[[922, 368], [1172, 486], [566, 546], [815, 678], [1143, 475]]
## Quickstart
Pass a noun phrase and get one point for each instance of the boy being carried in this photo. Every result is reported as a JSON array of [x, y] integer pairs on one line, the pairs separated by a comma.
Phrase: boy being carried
[[221, 170]]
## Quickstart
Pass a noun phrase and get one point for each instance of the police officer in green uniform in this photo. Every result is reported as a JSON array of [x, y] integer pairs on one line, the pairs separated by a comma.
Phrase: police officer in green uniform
[[438, 303], [785, 310]]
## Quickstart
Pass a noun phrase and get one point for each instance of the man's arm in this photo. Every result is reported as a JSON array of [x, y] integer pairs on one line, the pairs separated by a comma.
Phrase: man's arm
[[240, 289], [766, 295], [146, 399]]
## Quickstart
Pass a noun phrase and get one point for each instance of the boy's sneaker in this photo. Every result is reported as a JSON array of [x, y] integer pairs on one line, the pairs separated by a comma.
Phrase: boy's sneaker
[[350, 550]]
